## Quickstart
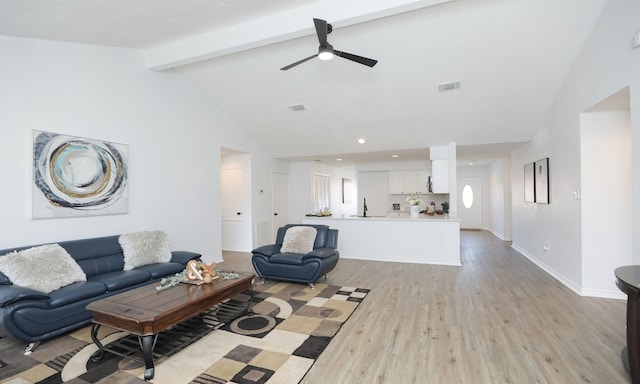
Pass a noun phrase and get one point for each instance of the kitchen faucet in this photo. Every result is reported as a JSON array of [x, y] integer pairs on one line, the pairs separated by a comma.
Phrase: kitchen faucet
[[365, 207]]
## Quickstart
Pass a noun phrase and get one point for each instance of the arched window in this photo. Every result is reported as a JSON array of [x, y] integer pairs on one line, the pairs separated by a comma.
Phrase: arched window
[[467, 196]]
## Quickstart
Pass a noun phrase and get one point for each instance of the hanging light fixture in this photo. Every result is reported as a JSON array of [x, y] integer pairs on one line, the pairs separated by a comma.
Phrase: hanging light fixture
[[325, 52]]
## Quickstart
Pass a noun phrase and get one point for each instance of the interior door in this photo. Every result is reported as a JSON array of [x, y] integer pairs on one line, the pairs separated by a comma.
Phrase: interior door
[[235, 236], [470, 201], [279, 202], [231, 194]]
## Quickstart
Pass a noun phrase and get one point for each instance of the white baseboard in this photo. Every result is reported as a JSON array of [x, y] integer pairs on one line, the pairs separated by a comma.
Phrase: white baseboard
[[567, 282]]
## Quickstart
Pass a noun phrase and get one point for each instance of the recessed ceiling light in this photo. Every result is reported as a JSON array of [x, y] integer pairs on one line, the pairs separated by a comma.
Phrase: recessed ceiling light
[[470, 163], [338, 159], [395, 156], [361, 141]]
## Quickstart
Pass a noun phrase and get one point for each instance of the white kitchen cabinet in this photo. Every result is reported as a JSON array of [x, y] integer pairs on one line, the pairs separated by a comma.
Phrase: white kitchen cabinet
[[408, 182], [396, 182], [440, 176], [416, 181]]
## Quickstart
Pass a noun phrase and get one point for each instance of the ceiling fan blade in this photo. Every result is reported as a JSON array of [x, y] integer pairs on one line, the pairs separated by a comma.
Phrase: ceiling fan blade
[[321, 30], [298, 62], [358, 59]]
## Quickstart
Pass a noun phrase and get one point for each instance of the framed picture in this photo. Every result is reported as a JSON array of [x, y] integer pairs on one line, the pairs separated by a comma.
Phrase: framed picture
[[74, 176], [529, 183], [542, 181], [347, 191]]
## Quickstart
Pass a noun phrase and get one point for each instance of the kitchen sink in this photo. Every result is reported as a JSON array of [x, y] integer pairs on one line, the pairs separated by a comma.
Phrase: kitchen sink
[[365, 216]]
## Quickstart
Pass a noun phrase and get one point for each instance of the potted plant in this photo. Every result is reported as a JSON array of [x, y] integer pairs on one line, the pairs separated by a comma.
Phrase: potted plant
[[414, 202]]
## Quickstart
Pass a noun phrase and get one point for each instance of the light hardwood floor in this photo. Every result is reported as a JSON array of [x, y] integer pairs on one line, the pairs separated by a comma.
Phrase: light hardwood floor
[[497, 319]]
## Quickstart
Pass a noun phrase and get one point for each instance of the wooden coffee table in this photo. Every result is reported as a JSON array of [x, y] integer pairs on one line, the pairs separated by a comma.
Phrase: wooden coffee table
[[145, 311]]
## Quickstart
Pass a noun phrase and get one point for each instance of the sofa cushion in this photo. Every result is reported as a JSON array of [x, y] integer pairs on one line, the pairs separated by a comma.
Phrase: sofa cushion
[[287, 258], [4, 280], [121, 279], [44, 268], [160, 270], [142, 248], [183, 257], [12, 294], [96, 255], [321, 253], [267, 250], [299, 239], [76, 292]]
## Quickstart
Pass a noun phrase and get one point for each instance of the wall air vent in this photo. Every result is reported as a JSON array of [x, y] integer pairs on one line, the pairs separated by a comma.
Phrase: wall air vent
[[297, 108], [449, 86]]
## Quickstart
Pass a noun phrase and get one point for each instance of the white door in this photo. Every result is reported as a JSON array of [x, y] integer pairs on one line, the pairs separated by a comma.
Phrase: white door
[[234, 223], [279, 202], [470, 202], [231, 194]]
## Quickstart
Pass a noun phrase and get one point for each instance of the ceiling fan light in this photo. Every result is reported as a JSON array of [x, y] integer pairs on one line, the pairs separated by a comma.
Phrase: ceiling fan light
[[325, 55]]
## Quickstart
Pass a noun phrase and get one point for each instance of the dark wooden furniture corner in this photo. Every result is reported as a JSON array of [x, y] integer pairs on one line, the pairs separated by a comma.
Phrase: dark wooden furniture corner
[[145, 311], [628, 280]]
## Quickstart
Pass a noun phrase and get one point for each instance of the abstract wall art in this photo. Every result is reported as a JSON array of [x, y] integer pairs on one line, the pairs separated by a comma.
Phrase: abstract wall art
[[529, 183], [536, 181], [74, 176], [542, 181]]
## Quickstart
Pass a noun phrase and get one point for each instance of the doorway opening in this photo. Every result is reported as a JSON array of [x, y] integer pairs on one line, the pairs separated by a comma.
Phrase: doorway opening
[[235, 200], [470, 200], [279, 202], [605, 192]]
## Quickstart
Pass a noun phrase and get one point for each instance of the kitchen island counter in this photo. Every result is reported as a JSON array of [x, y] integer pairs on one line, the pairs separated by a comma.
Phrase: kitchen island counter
[[390, 216], [425, 239]]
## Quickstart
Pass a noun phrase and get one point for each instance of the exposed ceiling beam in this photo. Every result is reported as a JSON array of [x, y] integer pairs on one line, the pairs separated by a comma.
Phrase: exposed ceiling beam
[[277, 28]]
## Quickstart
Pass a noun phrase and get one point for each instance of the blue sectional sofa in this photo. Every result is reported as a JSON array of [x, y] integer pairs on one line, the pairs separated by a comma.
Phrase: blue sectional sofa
[[32, 316]]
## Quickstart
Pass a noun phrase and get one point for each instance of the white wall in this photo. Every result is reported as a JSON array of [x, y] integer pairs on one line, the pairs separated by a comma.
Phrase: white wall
[[605, 65], [499, 220], [301, 179], [173, 133], [606, 197], [302, 172]]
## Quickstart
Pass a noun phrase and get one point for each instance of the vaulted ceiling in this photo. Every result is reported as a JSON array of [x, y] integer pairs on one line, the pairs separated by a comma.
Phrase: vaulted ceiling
[[509, 56]]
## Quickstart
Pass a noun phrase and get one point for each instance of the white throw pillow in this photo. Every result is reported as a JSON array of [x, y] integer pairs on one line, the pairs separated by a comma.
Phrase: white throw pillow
[[44, 268], [142, 248], [299, 240]]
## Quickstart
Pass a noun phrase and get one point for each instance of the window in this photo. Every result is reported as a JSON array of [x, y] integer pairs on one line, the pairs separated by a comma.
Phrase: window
[[321, 188], [467, 196]]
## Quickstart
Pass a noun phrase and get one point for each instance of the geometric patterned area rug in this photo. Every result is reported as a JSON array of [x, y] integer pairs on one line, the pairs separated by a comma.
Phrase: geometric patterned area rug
[[290, 327]]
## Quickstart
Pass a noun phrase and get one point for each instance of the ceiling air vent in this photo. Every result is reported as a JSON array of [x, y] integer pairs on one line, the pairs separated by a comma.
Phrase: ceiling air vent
[[297, 108], [448, 86]]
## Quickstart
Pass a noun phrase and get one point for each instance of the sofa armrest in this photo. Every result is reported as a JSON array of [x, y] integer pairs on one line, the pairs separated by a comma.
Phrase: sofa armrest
[[321, 253], [183, 257], [13, 293], [267, 250]]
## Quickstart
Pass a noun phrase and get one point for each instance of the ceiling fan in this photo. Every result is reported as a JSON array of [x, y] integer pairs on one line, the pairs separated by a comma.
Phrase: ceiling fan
[[326, 51]]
